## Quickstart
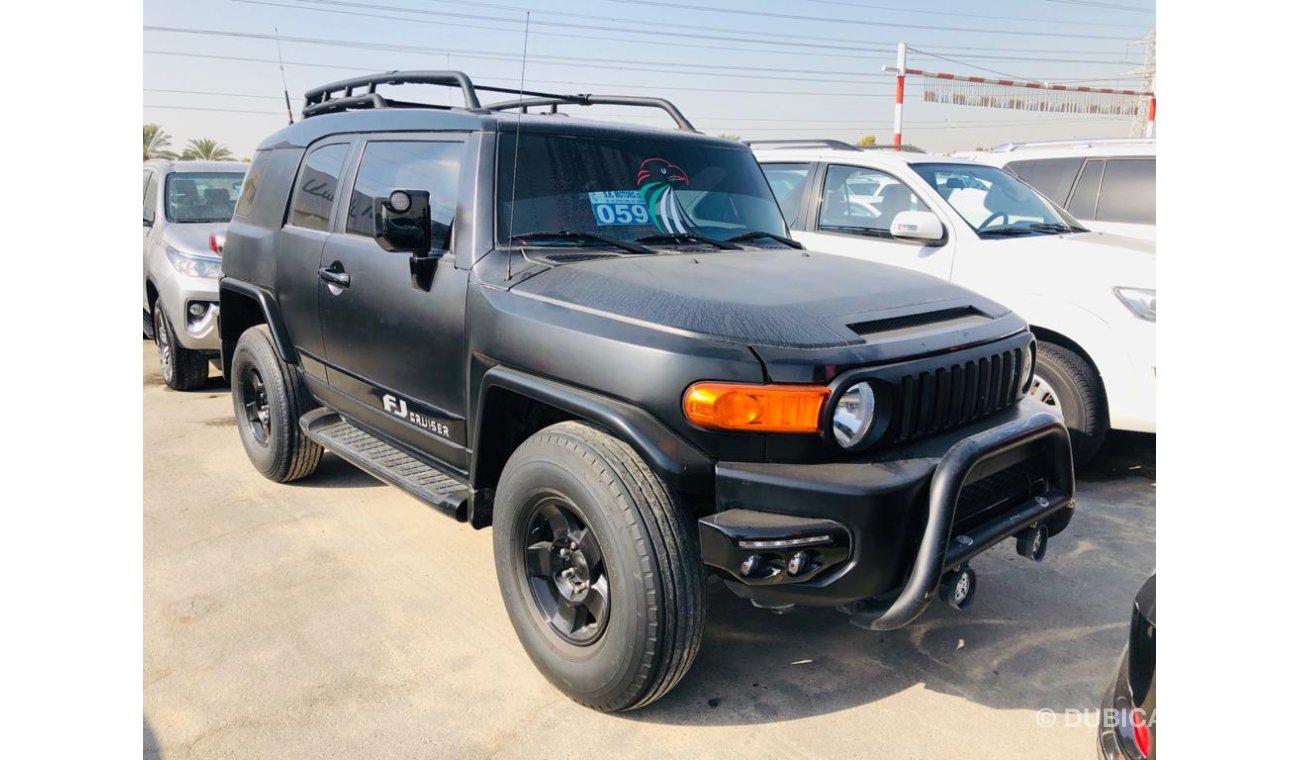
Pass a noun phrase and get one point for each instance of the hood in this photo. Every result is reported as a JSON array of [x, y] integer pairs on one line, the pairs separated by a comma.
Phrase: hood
[[1092, 258], [192, 238], [788, 299]]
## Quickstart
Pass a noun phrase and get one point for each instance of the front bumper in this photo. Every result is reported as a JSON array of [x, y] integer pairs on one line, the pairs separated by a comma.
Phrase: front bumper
[[177, 293], [884, 530]]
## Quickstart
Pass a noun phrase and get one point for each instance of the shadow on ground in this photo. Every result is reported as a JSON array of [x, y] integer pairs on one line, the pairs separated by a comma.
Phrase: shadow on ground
[[1038, 636]]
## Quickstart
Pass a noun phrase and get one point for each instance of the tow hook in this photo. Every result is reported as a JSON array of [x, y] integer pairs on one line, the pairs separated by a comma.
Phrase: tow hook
[[1032, 542], [957, 587]]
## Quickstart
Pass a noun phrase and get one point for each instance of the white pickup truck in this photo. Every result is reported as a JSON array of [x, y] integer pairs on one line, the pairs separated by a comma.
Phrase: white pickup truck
[[1090, 296]]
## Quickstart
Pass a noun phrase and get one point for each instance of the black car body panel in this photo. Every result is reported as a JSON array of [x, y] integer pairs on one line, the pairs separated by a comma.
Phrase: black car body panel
[[507, 338]]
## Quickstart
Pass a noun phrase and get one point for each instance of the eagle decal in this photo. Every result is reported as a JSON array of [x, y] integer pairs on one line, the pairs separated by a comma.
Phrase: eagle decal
[[655, 181]]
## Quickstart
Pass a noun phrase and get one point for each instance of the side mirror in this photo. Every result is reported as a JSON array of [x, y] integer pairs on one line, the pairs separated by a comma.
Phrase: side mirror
[[148, 222], [917, 225], [403, 224]]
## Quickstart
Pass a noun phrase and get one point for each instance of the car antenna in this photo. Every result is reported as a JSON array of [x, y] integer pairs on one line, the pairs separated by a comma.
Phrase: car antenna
[[283, 81], [514, 172]]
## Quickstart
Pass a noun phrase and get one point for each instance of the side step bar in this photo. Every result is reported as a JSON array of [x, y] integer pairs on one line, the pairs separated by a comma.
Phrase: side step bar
[[437, 489]]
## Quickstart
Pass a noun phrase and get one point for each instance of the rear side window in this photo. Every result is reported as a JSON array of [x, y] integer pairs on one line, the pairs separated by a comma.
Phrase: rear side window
[[788, 182], [1052, 177], [318, 182], [1128, 191], [415, 165], [1083, 202], [244, 206]]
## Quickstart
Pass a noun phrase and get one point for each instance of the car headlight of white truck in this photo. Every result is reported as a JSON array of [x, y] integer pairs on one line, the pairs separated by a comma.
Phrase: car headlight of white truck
[[194, 266], [1140, 301]]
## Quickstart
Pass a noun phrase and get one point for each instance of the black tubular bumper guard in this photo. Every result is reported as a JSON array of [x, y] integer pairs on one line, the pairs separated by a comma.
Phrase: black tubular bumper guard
[[903, 519]]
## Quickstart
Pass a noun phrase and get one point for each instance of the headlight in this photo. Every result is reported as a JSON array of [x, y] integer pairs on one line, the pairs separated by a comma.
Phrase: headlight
[[853, 414], [1140, 301], [1027, 369], [194, 266]]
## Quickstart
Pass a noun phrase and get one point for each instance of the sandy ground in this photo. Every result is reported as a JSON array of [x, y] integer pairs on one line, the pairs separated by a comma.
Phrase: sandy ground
[[339, 618]]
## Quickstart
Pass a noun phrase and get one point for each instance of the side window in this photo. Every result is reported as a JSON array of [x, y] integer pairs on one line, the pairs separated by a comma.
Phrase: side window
[[1052, 177], [317, 183], [244, 206], [407, 165], [863, 201], [1083, 201], [1128, 191], [788, 182], [151, 195]]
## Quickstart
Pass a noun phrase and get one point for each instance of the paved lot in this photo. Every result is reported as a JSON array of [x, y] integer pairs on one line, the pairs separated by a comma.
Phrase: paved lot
[[338, 618]]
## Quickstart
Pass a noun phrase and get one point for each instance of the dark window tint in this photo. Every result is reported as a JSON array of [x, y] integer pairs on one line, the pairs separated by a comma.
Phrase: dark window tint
[[1128, 191], [855, 200], [788, 182], [1083, 202], [1050, 176], [389, 166], [254, 177], [151, 196], [317, 183]]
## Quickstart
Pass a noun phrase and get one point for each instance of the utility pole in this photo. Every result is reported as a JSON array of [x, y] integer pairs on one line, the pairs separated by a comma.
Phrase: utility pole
[[1144, 123]]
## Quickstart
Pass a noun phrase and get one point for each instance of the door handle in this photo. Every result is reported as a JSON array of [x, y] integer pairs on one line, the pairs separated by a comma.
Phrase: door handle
[[335, 277]]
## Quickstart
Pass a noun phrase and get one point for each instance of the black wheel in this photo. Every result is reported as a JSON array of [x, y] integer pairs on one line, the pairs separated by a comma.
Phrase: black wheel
[[269, 398], [599, 568], [957, 587], [1066, 380], [1032, 543], [182, 369]]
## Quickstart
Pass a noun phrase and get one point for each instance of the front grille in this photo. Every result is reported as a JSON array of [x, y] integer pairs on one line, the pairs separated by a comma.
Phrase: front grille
[[982, 499], [939, 399]]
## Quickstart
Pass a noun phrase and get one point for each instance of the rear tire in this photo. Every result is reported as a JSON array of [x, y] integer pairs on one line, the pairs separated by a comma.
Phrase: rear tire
[[1066, 380], [269, 399], [182, 369], [572, 488]]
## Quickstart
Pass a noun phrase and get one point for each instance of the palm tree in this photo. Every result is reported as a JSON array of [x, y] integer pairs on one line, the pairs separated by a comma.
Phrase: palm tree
[[156, 142], [205, 149]]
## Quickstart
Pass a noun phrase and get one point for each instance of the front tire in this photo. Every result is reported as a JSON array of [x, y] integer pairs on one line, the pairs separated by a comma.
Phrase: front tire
[[1066, 380], [599, 568], [182, 369], [269, 399]]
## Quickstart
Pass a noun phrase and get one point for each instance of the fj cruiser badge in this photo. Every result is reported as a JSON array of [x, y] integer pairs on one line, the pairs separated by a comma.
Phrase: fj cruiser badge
[[397, 407]]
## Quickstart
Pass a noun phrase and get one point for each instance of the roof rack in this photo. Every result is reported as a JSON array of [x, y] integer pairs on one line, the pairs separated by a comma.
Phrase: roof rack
[[359, 93], [552, 100], [1077, 143], [801, 143]]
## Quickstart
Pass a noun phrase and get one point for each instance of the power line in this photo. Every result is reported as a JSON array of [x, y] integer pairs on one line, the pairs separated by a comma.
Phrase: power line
[[972, 15], [1107, 6]]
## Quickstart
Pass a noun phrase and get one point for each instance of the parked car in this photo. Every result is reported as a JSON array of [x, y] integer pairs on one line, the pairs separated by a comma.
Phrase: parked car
[[1090, 298], [186, 207], [1108, 184], [1127, 730], [599, 339]]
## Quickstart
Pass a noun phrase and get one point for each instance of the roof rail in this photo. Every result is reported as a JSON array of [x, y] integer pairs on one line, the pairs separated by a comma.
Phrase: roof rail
[[544, 99], [1077, 143], [805, 143], [343, 95]]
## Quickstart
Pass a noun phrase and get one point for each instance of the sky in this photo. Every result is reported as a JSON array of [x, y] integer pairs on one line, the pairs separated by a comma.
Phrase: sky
[[761, 69]]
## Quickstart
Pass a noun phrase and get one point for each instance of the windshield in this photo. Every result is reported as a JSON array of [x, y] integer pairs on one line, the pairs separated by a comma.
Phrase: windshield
[[995, 202], [654, 190], [202, 197]]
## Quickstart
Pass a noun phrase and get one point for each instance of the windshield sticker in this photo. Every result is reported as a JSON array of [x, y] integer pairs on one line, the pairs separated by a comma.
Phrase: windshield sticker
[[619, 207], [656, 180]]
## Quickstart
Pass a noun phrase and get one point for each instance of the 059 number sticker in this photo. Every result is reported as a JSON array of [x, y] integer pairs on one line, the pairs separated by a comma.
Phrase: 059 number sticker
[[619, 207]]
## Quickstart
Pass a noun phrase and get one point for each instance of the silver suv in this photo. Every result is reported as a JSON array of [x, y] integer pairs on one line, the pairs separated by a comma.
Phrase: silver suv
[[187, 205]]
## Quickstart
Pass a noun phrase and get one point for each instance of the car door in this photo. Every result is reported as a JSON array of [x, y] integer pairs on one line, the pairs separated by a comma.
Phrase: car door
[[298, 249], [851, 213], [395, 352], [150, 220]]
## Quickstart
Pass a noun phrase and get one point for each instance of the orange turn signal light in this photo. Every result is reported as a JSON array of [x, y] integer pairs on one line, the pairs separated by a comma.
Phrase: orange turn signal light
[[756, 408]]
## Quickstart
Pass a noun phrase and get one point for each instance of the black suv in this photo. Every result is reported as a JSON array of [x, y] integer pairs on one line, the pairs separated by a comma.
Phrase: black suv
[[599, 339]]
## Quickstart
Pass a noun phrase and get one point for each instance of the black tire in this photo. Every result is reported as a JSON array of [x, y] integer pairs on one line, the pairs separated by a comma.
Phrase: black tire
[[1080, 397], [269, 398], [182, 369], [649, 560]]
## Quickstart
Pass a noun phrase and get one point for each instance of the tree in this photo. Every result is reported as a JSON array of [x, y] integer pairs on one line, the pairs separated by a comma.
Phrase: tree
[[156, 142], [727, 136], [866, 141], [205, 149]]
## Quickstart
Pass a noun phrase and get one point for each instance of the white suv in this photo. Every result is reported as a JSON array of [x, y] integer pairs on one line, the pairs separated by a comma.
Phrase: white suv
[[1090, 296], [1108, 184]]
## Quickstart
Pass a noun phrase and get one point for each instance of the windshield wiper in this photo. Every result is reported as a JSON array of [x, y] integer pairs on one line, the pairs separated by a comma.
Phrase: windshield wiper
[[1007, 231], [759, 234], [590, 237], [687, 237], [1054, 227]]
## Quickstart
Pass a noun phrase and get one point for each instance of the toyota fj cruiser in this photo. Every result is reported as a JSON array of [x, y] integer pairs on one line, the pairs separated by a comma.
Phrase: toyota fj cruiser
[[599, 339]]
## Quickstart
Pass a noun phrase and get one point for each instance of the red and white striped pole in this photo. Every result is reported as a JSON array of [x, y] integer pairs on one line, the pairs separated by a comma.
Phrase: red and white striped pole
[[898, 96], [1151, 111]]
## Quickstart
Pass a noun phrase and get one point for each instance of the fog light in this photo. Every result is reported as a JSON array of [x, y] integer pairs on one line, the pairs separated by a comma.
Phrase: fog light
[[750, 564], [197, 309]]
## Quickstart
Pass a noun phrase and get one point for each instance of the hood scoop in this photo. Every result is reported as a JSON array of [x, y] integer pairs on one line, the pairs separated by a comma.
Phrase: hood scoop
[[892, 328]]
